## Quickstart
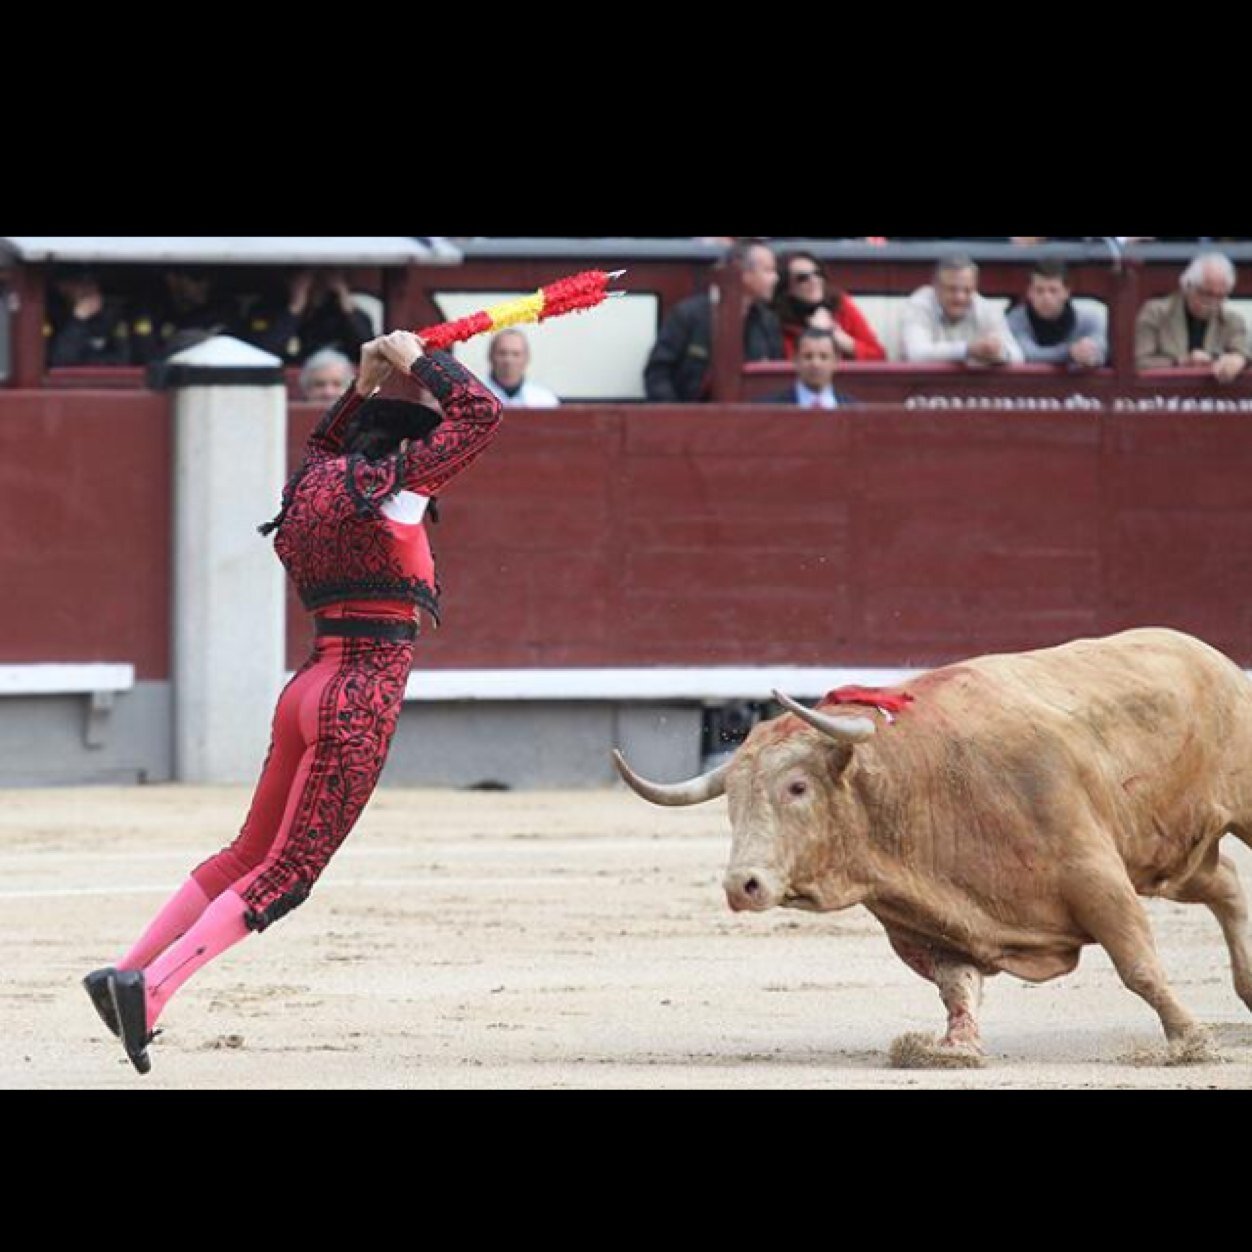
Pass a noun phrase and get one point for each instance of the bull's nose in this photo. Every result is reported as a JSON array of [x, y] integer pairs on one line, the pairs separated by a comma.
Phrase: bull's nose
[[751, 890]]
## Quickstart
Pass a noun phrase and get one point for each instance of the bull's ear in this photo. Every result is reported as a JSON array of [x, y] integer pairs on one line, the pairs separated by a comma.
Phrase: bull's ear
[[838, 758]]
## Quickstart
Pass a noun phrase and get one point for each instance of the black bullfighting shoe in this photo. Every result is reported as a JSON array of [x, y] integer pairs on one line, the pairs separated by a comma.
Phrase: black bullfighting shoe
[[126, 990], [97, 985]]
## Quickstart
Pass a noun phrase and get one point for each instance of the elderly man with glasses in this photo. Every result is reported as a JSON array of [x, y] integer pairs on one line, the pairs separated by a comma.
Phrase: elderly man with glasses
[[1195, 327]]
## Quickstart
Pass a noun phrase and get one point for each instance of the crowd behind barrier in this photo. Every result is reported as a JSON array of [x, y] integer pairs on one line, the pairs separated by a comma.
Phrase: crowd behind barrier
[[1076, 306], [108, 326], [107, 316], [912, 530]]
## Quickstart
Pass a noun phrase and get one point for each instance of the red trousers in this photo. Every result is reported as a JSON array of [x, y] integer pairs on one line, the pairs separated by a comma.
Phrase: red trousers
[[333, 727]]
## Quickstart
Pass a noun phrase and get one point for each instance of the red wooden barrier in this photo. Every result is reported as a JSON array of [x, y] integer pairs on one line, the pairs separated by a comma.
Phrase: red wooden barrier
[[693, 536], [681, 536], [85, 545]]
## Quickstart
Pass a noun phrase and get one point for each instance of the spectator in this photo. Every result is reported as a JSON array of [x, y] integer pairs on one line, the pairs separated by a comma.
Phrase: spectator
[[806, 299], [510, 359], [817, 362], [186, 309], [1194, 326], [82, 327], [1048, 326], [678, 367], [326, 376], [316, 312], [950, 321]]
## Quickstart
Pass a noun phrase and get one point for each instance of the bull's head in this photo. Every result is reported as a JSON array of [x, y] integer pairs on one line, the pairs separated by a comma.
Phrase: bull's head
[[791, 812]]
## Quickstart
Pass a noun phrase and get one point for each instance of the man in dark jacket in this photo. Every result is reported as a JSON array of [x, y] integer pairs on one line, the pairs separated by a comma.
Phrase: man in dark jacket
[[317, 312], [678, 368], [188, 306], [83, 327]]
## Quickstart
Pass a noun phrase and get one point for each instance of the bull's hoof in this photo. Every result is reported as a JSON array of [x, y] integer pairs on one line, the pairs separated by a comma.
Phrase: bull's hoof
[[1196, 1047], [922, 1052]]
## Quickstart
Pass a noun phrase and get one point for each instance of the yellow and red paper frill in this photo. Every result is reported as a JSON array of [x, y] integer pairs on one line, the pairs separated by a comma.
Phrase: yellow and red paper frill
[[568, 295]]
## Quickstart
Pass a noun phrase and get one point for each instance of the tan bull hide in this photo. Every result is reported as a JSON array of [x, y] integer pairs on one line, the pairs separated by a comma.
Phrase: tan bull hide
[[1011, 814]]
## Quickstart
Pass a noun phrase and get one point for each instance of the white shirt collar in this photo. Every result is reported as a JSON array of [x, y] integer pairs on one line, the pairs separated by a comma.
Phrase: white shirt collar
[[805, 397]]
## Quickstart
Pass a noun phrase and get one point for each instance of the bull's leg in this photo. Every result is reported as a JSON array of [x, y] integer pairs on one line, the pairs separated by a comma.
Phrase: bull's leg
[[1106, 906], [1217, 885], [960, 987]]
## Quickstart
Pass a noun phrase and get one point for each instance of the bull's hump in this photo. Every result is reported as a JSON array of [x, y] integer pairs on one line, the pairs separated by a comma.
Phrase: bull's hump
[[936, 680]]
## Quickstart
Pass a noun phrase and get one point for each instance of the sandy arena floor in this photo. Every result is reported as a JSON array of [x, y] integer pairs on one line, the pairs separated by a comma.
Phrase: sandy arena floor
[[530, 940]]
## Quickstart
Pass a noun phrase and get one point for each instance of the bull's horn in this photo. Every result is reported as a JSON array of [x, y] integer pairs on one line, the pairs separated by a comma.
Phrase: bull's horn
[[695, 791], [844, 729]]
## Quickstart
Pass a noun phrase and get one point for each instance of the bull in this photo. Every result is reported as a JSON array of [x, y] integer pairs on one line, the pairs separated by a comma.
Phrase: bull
[[1015, 811]]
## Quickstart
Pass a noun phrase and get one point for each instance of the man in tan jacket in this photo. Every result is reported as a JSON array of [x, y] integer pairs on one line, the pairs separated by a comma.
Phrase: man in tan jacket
[[1194, 327]]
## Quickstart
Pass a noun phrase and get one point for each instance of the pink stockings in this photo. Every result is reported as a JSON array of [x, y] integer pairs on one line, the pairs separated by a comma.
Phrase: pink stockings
[[185, 936], [332, 730], [220, 926], [175, 919]]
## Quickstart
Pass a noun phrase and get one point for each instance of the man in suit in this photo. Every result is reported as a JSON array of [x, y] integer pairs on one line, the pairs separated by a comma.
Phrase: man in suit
[[817, 362], [1194, 326]]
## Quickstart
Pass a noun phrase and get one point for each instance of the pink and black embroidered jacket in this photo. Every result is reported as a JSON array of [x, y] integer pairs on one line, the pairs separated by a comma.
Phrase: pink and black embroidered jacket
[[334, 541]]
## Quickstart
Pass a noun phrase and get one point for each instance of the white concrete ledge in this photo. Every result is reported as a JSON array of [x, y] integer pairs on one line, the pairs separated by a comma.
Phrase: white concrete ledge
[[714, 683], [48, 680]]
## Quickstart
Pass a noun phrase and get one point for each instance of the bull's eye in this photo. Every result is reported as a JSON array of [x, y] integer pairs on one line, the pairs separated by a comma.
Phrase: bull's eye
[[798, 788]]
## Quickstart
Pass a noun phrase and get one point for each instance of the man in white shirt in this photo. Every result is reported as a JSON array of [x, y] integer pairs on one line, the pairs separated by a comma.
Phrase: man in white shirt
[[510, 359], [950, 322]]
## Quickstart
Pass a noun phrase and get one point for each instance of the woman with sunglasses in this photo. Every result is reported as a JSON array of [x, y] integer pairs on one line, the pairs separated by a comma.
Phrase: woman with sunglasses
[[807, 301]]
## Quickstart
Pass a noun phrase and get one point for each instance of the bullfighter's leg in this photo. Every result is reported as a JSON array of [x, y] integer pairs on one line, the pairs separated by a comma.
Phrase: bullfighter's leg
[[960, 988], [1106, 906], [1217, 885]]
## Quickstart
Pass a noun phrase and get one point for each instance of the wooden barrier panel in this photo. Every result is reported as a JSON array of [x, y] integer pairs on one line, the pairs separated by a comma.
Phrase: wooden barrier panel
[[1015, 388], [85, 529], [885, 537], [696, 536]]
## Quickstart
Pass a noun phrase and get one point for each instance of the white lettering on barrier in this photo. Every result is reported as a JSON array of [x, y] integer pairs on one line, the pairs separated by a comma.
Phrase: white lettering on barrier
[[1083, 403]]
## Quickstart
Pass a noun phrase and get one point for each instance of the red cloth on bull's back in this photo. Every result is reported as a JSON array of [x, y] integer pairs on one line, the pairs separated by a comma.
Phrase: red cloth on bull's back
[[872, 697]]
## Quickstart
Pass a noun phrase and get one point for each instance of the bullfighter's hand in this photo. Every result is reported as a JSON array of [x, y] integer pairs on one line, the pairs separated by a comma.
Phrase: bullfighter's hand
[[375, 368], [401, 348]]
